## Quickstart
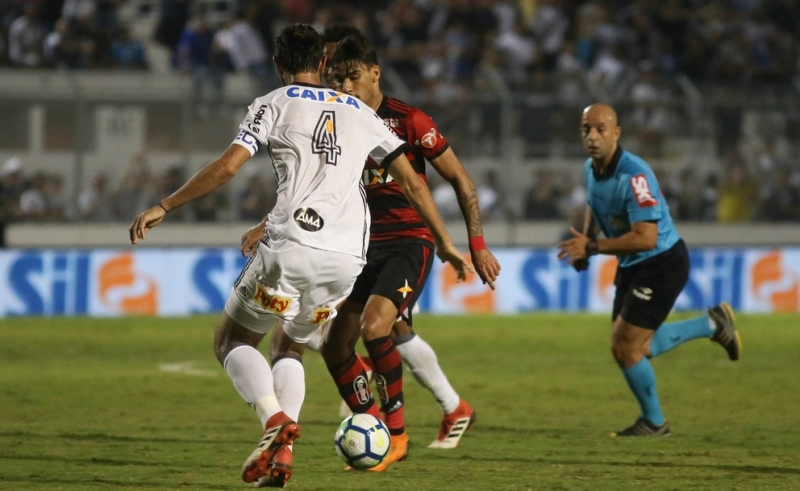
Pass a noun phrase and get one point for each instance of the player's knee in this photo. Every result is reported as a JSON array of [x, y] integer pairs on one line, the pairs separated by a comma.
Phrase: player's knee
[[374, 325], [625, 352]]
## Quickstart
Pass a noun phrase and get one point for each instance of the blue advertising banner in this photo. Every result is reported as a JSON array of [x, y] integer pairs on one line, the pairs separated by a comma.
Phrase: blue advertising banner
[[176, 282]]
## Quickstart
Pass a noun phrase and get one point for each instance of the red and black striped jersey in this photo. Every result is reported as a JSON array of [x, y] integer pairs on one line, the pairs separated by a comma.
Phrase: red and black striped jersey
[[393, 217]]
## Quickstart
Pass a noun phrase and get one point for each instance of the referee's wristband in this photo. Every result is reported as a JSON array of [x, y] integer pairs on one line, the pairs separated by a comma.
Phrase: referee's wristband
[[163, 207], [592, 248], [477, 243]]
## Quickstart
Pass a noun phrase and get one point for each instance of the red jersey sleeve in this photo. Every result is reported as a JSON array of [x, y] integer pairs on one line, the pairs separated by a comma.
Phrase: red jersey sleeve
[[423, 135]]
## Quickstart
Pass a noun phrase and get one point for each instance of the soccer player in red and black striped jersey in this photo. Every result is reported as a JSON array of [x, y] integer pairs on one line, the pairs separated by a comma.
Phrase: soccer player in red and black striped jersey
[[399, 260]]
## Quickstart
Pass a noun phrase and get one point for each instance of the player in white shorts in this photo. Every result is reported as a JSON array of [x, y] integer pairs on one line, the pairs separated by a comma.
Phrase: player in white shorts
[[317, 235]]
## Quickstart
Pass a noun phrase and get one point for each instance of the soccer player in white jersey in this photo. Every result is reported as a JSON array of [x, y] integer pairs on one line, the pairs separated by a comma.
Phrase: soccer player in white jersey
[[316, 237]]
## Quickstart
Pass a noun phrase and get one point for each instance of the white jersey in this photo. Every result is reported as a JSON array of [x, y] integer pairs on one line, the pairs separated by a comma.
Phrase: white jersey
[[319, 140]]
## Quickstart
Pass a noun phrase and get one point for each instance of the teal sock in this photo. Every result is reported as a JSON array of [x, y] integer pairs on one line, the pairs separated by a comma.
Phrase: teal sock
[[642, 381], [670, 335]]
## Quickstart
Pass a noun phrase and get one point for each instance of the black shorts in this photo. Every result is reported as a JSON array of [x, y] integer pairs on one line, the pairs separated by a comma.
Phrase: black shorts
[[396, 270], [646, 292]]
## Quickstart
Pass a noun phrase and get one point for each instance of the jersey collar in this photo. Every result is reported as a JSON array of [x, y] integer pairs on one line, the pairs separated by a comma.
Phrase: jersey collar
[[305, 84], [612, 166]]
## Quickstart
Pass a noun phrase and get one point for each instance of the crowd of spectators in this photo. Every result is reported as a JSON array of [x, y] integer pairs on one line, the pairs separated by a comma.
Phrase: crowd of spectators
[[39, 197], [432, 41], [766, 189], [444, 49]]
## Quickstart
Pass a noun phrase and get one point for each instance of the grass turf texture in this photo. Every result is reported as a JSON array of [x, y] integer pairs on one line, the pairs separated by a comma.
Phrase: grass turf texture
[[86, 404]]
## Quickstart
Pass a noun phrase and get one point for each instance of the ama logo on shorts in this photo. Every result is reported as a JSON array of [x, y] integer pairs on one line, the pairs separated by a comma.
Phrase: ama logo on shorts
[[642, 191], [308, 219]]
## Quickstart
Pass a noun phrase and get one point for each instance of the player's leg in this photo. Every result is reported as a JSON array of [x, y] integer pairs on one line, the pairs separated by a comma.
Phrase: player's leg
[[290, 389], [252, 309], [671, 274], [376, 329], [288, 372], [629, 344], [340, 338], [421, 360], [718, 325], [338, 351], [646, 293], [235, 347]]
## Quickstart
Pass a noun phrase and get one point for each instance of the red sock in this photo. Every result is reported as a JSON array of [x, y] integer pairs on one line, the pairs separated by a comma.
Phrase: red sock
[[351, 379], [389, 380], [366, 362]]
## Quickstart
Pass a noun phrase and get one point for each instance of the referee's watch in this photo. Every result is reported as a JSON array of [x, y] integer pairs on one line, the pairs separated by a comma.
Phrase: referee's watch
[[592, 248]]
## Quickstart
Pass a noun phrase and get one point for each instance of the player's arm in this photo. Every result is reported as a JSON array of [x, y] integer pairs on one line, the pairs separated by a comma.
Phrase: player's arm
[[207, 179], [642, 237], [252, 236], [420, 198], [589, 229], [450, 168]]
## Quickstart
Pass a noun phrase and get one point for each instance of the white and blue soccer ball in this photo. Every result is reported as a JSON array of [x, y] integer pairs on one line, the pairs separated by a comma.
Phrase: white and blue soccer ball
[[362, 441]]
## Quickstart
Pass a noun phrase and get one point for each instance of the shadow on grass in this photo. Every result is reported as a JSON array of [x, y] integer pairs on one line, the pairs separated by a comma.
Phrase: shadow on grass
[[106, 483], [749, 469]]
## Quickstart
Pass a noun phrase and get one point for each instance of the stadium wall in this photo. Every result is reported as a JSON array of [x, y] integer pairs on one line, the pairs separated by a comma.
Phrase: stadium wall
[[185, 281]]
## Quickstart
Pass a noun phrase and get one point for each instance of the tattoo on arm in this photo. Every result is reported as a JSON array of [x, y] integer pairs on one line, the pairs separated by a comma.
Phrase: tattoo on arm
[[468, 201]]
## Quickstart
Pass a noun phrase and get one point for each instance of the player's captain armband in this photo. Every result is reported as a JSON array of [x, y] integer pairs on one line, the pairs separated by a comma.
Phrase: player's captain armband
[[641, 189], [248, 141]]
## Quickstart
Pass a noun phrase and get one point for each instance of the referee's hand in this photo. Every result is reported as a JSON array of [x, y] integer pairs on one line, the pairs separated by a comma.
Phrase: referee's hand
[[574, 248]]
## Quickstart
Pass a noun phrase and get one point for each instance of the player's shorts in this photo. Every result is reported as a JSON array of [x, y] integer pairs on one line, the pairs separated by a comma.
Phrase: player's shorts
[[397, 270], [646, 291], [290, 282]]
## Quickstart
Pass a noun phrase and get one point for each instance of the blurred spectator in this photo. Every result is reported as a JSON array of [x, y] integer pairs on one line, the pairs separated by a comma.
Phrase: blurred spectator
[[689, 196], [127, 53], [26, 39], [95, 203], [542, 198], [200, 55], [649, 122], [208, 208], [33, 201], [246, 49], [129, 196], [780, 197], [709, 203], [174, 17], [68, 47], [56, 205], [257, 198], [518, 49], [11, 188], [737, 194], [445, 197], [492, 197], [550, 25]]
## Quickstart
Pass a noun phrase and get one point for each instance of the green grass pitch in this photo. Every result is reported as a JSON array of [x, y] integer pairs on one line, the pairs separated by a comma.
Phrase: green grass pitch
[[140, 403]]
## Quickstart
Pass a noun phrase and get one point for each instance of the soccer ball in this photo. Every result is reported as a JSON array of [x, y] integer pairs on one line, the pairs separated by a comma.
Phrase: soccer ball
[[362, 441]]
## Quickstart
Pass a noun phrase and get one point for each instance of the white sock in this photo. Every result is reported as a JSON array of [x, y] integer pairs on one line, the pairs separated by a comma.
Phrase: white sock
[[290, 385], [315, 340], [421, 360], [252, 377]]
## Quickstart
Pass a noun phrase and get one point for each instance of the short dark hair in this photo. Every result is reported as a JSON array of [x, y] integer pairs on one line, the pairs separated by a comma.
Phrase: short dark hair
[[299, 48], [353, 50], [338, 31]]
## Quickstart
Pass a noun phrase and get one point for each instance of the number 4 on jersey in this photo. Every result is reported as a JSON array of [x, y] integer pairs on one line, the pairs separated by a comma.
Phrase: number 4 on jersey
[[325, 138]]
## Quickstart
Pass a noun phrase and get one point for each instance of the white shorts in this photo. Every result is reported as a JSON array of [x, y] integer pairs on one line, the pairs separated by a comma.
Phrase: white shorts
[[289, 282]]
